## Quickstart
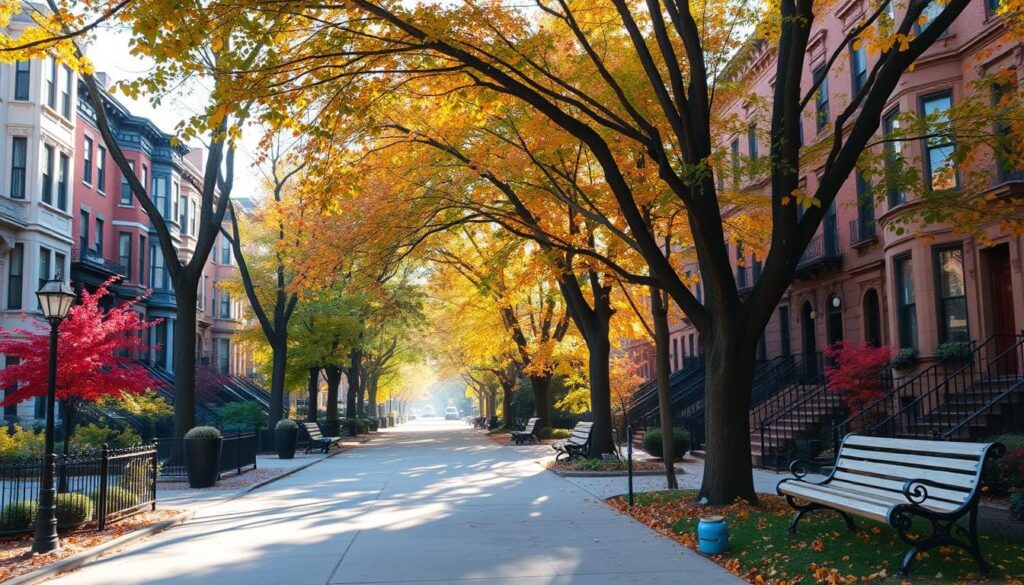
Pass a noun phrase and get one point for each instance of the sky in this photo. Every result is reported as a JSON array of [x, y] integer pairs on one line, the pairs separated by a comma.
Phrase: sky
[[109, 53]]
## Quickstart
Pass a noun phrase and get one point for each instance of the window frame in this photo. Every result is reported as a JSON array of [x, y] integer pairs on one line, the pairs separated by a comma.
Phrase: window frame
[[926, 148], [51, 83], [124, 257], [64, 172], [101, 169], [22, 81], [19, 174], [46, 176], [65, 92], [893, 158], [858, 77], [16, 282], [906, 328], [941, 300], [87, 145], [822, 110]]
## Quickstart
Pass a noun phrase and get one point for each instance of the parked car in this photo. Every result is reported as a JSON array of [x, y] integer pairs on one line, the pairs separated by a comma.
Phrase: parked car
[[451, 413]]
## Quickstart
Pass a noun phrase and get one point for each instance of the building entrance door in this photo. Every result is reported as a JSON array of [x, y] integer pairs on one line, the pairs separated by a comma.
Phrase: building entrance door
[[1000, 291]]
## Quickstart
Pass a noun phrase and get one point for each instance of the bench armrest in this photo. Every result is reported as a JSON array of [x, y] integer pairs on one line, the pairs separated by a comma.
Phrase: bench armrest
[[799, 469], [916, 490]]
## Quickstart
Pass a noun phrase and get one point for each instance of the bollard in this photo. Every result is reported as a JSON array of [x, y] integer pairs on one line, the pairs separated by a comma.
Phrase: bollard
[[629, 461]]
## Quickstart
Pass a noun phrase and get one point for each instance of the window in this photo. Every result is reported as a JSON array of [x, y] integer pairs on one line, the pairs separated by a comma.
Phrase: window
[[752, 140], [10, 410], [124, 253], [201, 300], [126, 189], [741, 269], [62, 182], [675, 353], [101, 169], [992, 7], [51, 82], [700, 293], [22, 79], [225, 305], [83, 236], [15, 273], [99, 237], [223, 355], [160, 343], [906, 302], [858, 66], [865, 209], [952, 294], [142, 258], [44, 265], [65, 92], [939, 147], [19, 162], [175, 202], [145, 176], [893, 158], [735, 161], [930, 12], [156, 269], [46, 185], [87, 159], [757, 269], [183, 211], [1004, 140], [225, 250], [60, 265], [821, 98], [160, 194]]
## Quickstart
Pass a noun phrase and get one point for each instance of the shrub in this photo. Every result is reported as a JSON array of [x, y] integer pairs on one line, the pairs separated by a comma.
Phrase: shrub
[[138, 472], [92, 437], [560, 433], [363, 426], [371, 423], [600, 464], [19, 443], [953, 351], [1011, 442], [73, 509], [286, 424], [118, 498], [652, 442], [904, 358], [1007, 474], [203, 433], [236, 416], [854, 371], [544, 433], [1017, 506], [17, 516]]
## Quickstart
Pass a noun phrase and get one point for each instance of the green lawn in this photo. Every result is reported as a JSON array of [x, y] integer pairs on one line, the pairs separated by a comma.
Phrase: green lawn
[[823, 550]]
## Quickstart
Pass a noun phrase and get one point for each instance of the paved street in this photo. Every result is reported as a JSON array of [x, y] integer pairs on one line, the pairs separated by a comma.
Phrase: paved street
[[428, 502]]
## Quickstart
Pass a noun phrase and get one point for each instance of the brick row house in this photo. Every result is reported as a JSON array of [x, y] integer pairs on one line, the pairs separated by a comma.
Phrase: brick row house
[[65, 210], [861, 279]]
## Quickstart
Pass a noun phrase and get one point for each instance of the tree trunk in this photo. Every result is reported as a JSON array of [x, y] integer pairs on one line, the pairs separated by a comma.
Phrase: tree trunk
[[371, 396], [601, 440], [542, 399], [313, 390], [492, 400], [279, 364], [353, 383], [333, 375], [659, 313], [482, 404], [361, 394], [728, 473], [507, 393], [185, 356]]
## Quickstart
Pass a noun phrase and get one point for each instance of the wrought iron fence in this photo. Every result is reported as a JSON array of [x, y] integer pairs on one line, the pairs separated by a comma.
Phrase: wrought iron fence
[[114, 484], [238, 452]]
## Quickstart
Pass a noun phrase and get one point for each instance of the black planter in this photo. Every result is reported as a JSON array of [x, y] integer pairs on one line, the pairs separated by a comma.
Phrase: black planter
[[331, 428], [202, 461], [285, 440]]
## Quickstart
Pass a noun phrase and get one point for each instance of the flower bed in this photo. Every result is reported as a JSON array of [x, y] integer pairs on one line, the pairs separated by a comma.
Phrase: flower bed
[[822, 551]]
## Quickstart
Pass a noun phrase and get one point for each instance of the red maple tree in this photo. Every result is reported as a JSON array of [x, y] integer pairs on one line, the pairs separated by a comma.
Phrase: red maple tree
[[856, 372], [96, 351]]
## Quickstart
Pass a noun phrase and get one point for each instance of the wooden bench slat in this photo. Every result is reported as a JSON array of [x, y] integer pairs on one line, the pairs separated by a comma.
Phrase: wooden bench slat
[[895, 471], [894, 497], [896, 487], [920, 446], [916, 460], [808, 492]]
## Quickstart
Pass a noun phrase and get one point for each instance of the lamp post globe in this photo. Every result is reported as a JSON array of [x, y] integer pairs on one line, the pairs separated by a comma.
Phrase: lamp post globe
[[55, 300]]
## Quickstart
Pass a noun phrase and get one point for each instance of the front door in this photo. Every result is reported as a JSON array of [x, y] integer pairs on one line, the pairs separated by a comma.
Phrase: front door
[[1001, 301], [810, 344]]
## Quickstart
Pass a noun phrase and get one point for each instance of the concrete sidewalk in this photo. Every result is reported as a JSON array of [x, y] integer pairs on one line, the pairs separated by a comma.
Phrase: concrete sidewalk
[[428, 502]]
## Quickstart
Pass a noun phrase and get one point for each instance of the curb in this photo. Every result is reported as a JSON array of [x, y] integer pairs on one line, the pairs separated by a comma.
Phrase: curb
[[78, 560], [570, 473], [271, 480]]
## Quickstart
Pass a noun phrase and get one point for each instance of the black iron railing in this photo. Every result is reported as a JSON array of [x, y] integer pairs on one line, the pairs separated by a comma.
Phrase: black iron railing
[[795, 414], [238, 452], [861, 231], [966, 400], [645, 399], [90, 256], [117, 483]]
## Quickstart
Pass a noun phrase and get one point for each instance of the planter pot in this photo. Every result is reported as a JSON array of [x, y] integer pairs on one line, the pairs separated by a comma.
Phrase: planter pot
[[285, 440], [202, 461], [391, 421]]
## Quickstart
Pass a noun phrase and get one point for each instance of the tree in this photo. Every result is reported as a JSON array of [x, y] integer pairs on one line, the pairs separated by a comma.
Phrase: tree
[[97, 351], [666, 116]]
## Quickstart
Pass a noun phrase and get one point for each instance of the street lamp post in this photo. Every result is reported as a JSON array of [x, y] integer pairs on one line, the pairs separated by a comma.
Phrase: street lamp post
[[55, 300]]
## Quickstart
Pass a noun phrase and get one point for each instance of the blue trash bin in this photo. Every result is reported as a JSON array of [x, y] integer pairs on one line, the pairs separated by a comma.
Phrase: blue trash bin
[[713, 535]]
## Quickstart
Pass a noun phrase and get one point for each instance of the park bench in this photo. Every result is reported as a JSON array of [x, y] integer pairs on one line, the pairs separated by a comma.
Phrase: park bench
[[520, 437], [316, 438], [577, 445], [895, 480]]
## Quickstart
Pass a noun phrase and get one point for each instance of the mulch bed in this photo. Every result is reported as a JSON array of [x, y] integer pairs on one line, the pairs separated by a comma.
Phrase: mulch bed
[[612, 465], [16, 554], [823, 551]]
